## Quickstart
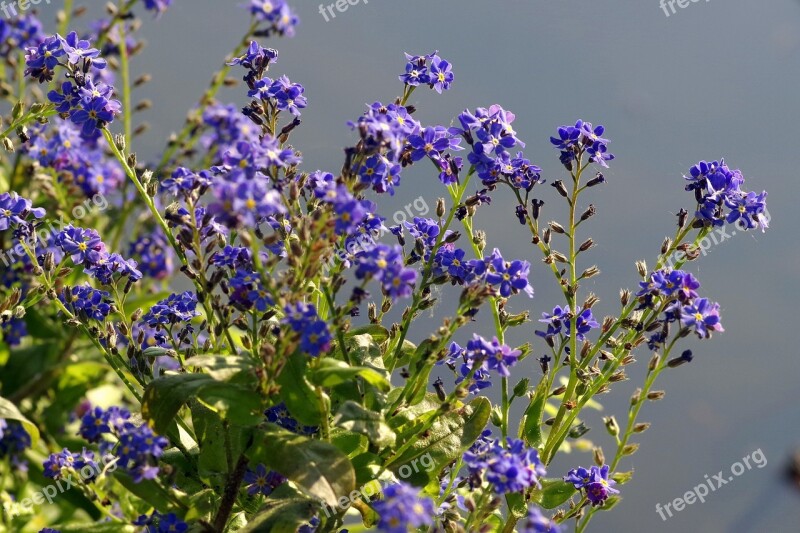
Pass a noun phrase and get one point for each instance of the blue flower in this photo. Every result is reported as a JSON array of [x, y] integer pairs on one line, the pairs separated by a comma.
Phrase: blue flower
[[510, 468], [78, 50], [175, 308], [441, 76], [402, 508], [159, 6], [87, 302], [594, 481], [509, 277], [280, 415], [315, 338], [536, 522], [702, 316], [261, 481], [14, 210]]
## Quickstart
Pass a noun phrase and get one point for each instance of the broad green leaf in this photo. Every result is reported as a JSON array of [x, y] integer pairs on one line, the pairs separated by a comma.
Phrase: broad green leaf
[[164, 397], [516, 504], [554, 492], [367, 466], [9, 411], [377, 332], [357, 419], [448, 438], [332, 372], [316, 466], [221, 367], [285, 510], [532, 422], [99, 527], [297, 393]]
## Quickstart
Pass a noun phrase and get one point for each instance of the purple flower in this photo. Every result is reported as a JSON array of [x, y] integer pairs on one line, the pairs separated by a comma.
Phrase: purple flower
[[78, 49], [403, 507], [509, 277], [441, 76], [83, 245], [594, 481], [492, 354], [536, 522], [702, 316], [176, 308], [315, 338], [88, 302], [261, 481], [14, 210]]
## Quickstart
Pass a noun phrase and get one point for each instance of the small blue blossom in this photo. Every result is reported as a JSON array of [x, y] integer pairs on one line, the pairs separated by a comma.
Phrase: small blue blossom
[[403, 507], [594, 481], [261, 481], [536, 522], [702, 316]]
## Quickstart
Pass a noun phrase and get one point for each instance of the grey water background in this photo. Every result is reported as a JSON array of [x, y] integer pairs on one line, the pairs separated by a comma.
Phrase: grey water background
[[715, 79]]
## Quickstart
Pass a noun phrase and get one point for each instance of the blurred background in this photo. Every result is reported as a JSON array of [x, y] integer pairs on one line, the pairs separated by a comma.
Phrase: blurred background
[[714, 79]]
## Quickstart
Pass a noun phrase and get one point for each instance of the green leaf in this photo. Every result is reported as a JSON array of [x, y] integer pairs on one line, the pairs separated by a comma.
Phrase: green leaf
[[220, 367], [9, 411], [357, 419], [554, 492], [332, 372], [283, 511], [532, 422], [316, 466], [297, 393], [100, 527], [164, 397], [449, 437], [377, 332]]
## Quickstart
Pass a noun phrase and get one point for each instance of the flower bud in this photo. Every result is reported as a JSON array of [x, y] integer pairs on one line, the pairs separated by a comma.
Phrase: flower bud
[[611, 425], [559, 186]]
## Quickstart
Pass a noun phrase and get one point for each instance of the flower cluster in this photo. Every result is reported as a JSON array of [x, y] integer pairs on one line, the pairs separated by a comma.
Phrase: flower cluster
[[560, 322], [87, 302], [137, 448], [403, 507], [15, 210], [85, 248], [594, 481], [510, 468], [14, 440], [574, 141], [315, 338], [280, 18], [88, 104], [676, 292], [720, 198], [176, 308], [429, 70], [491, 136], [81, 161], [536, 522], [67, 462], [19, 33], [161, 523]]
